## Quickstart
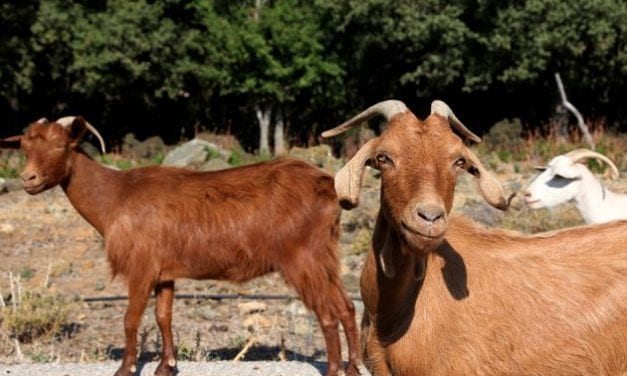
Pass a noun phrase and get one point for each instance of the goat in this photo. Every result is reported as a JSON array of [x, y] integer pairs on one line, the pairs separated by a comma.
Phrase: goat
[[162, 223], [445, 296], [564, 179]]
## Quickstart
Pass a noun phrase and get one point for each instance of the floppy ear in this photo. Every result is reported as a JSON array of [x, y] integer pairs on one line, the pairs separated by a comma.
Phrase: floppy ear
[[489, 187], [348, 179], [12, 142], [77, 130]]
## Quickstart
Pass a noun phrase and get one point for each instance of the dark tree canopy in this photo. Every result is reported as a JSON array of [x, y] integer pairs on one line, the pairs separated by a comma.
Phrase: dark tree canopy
[[168, 67]]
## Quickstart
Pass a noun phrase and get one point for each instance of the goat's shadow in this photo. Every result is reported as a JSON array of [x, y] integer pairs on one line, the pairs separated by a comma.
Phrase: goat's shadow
[[454, 271], [455, 277], [256, 353]]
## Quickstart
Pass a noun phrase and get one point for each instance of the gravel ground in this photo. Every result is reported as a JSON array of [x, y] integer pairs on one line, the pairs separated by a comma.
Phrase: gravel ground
[[220, 368]]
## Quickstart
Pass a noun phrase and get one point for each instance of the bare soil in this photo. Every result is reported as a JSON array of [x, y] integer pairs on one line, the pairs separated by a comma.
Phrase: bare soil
[[44, 241]]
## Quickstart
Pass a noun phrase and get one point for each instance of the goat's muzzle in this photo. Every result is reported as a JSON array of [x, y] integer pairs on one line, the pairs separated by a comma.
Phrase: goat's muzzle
[[424, 226], [32, 182]]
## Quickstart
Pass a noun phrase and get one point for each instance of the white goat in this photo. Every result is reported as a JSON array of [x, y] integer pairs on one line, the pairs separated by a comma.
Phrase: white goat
[[565, 179]]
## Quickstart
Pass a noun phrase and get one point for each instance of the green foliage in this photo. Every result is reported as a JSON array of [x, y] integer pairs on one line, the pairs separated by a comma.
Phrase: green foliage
[[166, 66], [237, 157]]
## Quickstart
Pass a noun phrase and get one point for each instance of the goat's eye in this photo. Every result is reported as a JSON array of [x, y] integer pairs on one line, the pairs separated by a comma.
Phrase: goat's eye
[[380, 160], [460, 162]]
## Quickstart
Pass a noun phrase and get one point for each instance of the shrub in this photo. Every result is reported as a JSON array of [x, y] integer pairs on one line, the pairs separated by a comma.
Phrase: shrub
[[36, 313]]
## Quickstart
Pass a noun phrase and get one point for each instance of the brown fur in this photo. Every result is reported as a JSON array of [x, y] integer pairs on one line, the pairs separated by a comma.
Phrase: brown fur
[[162, 223], [473, 301]]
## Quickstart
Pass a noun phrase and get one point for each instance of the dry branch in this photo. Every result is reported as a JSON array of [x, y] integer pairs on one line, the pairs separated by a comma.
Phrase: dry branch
[[573, 109]]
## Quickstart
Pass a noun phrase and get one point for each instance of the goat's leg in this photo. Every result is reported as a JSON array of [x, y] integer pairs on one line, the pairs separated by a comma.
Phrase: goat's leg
[[164, 293], [138, 294], [345, 310], [374, 354], [316, 300], [330, 330]]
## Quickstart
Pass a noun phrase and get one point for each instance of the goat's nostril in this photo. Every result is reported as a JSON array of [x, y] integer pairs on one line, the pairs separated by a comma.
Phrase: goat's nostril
[[26, 176], [430, 215], [527, 194]]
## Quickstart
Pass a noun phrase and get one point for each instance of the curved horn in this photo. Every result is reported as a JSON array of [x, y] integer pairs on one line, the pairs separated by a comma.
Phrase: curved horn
[[579, 154], [442, 109], [67, 120], [387, 109], [348, 178], [42, 120]]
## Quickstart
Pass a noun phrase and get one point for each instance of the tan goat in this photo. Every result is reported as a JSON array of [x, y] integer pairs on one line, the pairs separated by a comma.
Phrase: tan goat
[[445, 296]]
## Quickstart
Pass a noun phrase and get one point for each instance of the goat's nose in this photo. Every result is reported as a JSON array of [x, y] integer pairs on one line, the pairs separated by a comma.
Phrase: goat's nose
[[28, 175], [430, 213]]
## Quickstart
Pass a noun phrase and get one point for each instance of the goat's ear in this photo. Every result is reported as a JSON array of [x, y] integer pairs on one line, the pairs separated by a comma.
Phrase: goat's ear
[[348, 179], [77, 130], [489, 187], [12, 142]]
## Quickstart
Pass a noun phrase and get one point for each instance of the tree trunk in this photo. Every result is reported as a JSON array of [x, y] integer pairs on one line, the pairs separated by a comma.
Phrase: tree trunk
[[279, 137], [263, 116]]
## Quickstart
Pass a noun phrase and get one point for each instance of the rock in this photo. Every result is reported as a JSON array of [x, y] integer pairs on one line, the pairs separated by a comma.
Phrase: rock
[[224, 141], [10, 185], [320, 156], [296, 308], [256, 321], [246, 308], [214, 164], [6, 228], [351, 283], [194, 153], [150, 147]]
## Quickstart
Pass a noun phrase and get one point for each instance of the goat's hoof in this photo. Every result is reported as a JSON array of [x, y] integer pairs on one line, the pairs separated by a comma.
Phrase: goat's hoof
[[333, 371], [352, 370], [126, 370], [164, 369]]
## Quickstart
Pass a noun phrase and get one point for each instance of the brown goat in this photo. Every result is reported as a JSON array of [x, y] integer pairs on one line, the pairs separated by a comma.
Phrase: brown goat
[[445, 296], [161, 223]]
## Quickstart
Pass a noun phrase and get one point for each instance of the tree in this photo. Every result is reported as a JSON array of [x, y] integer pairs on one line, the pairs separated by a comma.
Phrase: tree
[[281, 61]]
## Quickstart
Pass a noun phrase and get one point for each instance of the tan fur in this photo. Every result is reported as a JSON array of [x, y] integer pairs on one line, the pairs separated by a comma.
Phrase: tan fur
[[465, 300], [161, 223], [497, 303]]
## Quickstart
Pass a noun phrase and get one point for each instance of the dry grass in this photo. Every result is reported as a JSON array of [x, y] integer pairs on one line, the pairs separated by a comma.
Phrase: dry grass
[[31, 314]]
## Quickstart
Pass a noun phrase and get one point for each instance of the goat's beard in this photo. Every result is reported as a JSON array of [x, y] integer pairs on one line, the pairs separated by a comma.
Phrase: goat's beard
[[421, 241], [420, 245]]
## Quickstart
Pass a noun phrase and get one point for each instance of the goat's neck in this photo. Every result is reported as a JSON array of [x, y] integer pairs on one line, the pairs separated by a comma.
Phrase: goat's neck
[[92, 189], [393, 296], [593, 199]]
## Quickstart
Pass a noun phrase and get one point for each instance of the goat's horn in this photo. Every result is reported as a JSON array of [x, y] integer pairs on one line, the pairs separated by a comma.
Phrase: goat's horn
[[579, 154], [387, 109], [67, 120], [42, 120], [442, 109]]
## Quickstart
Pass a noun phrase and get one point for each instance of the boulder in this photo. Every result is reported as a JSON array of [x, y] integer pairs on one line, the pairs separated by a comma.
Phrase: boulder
[[320, 156], [193, 154]]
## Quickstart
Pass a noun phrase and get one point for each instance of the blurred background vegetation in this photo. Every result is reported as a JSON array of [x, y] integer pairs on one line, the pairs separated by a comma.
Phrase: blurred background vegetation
[[176, 67]]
